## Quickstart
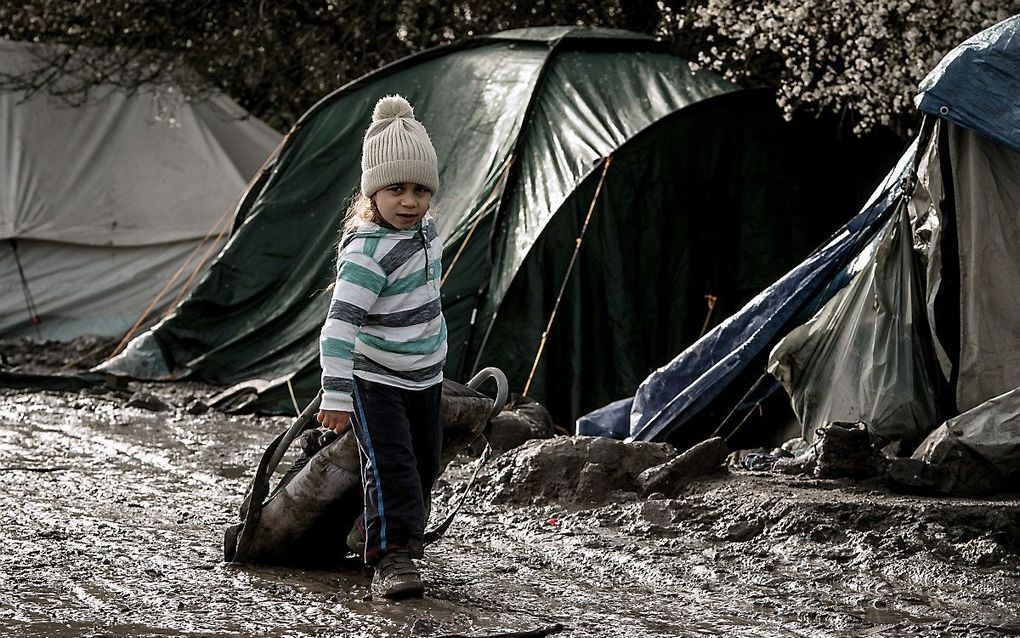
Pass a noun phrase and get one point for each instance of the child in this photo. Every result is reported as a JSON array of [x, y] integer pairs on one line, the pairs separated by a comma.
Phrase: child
[[383, 345]]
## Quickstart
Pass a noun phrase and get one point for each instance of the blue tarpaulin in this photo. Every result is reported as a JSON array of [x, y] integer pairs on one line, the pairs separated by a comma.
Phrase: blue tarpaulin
[[977, 86]]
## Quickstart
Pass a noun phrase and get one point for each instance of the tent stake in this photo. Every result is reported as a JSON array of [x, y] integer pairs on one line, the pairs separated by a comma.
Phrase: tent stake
[[711, 299], [566, 277]]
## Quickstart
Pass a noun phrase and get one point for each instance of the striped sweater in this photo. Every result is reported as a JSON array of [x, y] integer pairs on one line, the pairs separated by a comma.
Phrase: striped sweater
[[385, 321]]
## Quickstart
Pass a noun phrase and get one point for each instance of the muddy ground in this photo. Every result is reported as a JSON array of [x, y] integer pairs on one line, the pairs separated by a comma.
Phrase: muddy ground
[[112, 518]]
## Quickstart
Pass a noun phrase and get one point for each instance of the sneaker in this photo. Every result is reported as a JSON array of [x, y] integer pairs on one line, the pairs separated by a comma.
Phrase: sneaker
[[356, 538], [396, 577]]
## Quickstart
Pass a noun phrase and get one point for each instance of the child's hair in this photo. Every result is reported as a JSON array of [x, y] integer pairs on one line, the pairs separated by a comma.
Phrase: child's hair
[[361, 208]]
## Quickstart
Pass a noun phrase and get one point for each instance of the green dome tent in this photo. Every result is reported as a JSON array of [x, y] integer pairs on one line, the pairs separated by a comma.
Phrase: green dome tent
[[707, 193]]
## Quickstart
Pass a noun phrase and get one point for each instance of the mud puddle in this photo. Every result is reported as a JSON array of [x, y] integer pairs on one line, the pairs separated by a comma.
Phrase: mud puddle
[[112, 520]]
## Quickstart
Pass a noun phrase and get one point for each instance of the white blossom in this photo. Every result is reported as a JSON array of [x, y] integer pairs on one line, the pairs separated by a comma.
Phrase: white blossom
[[862, 57]]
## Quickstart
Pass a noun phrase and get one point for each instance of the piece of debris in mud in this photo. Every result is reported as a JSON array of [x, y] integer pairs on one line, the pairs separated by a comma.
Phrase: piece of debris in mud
[[582, 469], [521, 420], [147, 401], [845, 450], [534, 633], [670, 477], [840, 450], [196, 406]]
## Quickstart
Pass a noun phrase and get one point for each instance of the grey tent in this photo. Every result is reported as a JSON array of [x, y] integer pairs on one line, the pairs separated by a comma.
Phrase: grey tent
[[105, 205]]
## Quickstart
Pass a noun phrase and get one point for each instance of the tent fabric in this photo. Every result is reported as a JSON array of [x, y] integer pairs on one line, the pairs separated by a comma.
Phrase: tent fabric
[[930, 231], [992, 431], [575, 123], [522, 126], [556, 34], [89, 175], [110, 175], [864, 356], [85, 290], [974, 86], [987, 193]]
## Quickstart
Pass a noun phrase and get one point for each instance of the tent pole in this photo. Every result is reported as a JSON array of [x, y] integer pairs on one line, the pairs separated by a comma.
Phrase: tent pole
[[566, 277], [710, 299]]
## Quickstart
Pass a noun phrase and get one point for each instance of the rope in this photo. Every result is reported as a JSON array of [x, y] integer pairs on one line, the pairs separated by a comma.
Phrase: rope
[[566, 277], [496, 192], [219, 228], [293, 398], [757, 406], [33, 310], [737, 405]]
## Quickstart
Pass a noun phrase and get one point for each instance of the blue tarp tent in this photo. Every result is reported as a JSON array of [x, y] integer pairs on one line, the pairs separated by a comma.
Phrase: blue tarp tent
[[957, 187]]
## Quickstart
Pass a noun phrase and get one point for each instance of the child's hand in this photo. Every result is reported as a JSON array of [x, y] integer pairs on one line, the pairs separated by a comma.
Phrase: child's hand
[[335, 420]]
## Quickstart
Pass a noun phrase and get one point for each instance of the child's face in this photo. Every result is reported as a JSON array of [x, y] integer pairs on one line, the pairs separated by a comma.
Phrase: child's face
[[402, 205]]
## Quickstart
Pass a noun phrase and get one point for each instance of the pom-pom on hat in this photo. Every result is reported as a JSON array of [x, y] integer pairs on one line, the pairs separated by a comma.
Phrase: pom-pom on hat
[[397, 149]]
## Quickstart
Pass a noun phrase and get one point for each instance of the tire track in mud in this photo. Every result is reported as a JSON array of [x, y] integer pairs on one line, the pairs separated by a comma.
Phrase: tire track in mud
[[152, 525], [111, 503]]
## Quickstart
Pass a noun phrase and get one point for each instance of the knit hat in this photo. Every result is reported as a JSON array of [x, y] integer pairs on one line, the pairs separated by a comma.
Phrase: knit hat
[[397, 149]]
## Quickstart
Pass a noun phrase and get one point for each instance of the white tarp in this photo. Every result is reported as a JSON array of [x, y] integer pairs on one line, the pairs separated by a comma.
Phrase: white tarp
[[121, 172], [992, 431], [987, 198], [862, 356]]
